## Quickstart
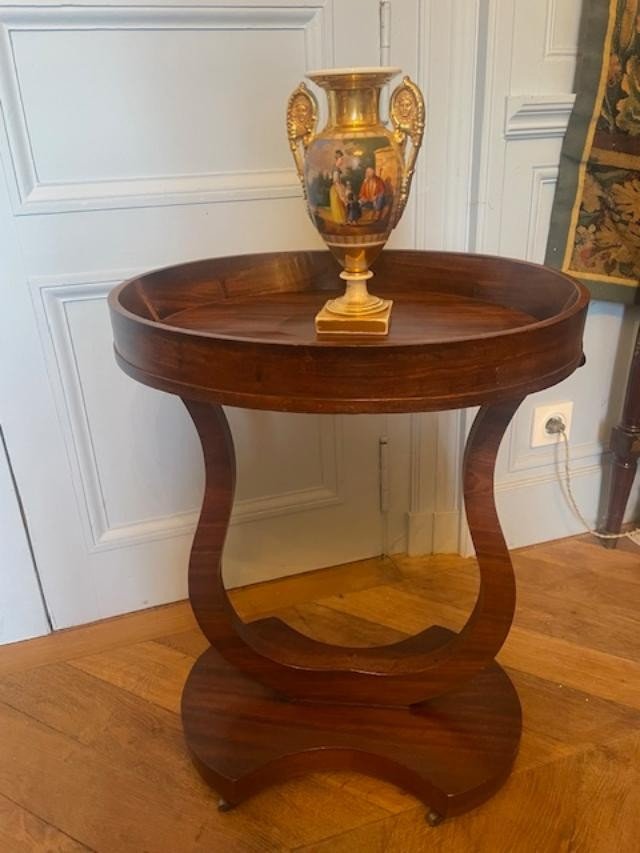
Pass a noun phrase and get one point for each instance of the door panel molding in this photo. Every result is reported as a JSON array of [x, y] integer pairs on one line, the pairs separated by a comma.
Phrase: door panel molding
[[561, 31], [111, 507], [544, 178], [31, 194], [537, 116], [52, 297], [451, 43]]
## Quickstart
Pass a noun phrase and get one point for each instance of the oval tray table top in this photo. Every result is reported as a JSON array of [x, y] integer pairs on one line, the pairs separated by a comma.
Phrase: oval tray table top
[[465, 329]]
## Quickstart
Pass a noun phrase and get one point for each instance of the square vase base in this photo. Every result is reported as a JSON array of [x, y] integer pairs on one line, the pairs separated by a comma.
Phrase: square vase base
[[328, 323]]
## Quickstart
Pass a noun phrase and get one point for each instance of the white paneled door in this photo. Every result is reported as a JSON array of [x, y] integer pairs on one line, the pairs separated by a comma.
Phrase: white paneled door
[[136, 136], [22, 612], [531, 51]]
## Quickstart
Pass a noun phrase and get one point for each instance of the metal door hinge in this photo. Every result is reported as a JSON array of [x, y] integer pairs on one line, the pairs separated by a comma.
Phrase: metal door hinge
[[385, 31]]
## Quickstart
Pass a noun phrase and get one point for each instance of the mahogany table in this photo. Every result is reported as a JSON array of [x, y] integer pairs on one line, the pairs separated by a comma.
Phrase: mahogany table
[[433, 714]]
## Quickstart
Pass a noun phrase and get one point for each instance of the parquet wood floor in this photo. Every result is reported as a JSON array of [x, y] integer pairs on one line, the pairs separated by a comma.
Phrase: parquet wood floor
[[92, 756]]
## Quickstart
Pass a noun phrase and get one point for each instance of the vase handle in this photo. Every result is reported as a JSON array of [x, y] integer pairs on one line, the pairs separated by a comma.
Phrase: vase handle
[[407, 112], [302, 118]]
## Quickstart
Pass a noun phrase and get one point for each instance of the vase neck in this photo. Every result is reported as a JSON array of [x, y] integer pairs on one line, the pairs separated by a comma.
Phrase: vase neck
[[353, 108], [353, 95]]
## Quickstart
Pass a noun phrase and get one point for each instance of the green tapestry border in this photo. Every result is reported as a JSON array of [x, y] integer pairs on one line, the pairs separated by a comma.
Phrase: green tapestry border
[[593, 42], [627, 294]]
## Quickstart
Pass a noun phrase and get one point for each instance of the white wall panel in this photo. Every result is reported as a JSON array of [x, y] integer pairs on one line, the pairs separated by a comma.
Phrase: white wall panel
[[183, 102], [137, 136], [543, 187], [128, 238], [530, 59], [106, 106], [589, 388], [563, 20], [136, 459], [543, 47]]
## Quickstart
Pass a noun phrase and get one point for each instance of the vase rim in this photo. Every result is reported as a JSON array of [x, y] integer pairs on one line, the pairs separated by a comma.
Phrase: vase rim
[[377, 75]]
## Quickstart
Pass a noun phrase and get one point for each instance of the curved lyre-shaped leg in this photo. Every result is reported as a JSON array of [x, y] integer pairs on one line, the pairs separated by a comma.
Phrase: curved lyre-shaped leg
[[207, 594], [453, 751], [405, 673], [492, 615]]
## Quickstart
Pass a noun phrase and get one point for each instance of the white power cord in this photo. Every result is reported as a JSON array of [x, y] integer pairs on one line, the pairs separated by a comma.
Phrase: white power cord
[[556, 426]]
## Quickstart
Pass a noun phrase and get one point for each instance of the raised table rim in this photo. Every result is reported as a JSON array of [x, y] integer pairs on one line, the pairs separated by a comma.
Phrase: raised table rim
[[171, 358]]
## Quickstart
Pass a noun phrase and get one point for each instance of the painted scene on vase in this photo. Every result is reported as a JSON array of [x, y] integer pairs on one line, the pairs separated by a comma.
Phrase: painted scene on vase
[[352, 184]]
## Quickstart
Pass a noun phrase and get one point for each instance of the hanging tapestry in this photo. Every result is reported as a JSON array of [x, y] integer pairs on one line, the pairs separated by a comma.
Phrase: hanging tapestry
[[595, 223]]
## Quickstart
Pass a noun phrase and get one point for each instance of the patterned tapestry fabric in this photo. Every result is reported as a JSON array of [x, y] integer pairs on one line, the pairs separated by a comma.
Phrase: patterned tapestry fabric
[[595, 224]]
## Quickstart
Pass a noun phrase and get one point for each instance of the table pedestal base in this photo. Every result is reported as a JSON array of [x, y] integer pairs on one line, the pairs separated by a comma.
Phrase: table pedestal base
[[452, 752], [432, 712]]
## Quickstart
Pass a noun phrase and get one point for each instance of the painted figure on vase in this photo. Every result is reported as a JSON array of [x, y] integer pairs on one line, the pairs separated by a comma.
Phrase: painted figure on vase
[[372, 193], [354, 210], [356, 169], [337, 193]]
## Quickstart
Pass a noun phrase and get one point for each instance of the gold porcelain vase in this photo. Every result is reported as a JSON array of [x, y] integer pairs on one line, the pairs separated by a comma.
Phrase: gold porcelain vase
[[356, 175]]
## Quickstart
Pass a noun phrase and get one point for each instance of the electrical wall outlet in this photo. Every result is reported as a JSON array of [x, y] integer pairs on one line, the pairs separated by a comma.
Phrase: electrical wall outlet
[[541, 414]]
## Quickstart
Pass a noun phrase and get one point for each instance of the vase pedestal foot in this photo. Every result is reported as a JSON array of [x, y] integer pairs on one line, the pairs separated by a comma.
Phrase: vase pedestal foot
[[374, 323], [452, 752]]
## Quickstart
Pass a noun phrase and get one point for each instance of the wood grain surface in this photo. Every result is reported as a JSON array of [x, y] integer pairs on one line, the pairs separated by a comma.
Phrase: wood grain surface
[[403, 673], [466, 330], [93, 756], [252, 737], [451, 752]]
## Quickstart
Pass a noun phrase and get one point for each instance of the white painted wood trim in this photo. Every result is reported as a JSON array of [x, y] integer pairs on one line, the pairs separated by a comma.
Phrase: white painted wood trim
[[541, 176], [31, 195], [422, 485], [30, 420], [537, 116], [496, 57], [470, 46], [553, 49], [449, 495], [449, 46], [51, 296], [450, 41]]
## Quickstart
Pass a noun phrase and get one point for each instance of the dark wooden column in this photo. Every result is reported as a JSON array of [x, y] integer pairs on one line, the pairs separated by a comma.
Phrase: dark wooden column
[[625, 446]]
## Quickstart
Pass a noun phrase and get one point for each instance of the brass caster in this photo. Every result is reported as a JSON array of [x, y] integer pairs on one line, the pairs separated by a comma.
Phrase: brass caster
[[434, 817], [224, 806]]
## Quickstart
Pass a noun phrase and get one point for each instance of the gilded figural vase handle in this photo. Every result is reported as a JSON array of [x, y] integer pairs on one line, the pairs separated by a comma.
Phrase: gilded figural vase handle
[[356, 177], [407, 114]]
